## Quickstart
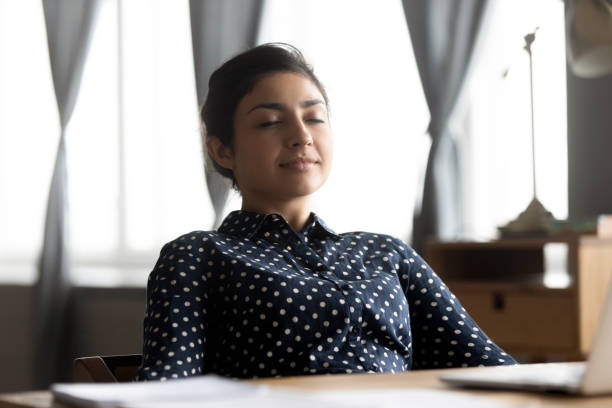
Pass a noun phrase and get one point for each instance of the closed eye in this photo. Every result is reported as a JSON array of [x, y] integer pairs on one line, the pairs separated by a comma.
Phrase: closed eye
[[315, 120], [269, 123]]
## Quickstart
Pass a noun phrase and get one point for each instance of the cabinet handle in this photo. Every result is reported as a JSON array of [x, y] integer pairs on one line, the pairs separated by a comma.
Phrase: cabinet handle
[[499, 301]]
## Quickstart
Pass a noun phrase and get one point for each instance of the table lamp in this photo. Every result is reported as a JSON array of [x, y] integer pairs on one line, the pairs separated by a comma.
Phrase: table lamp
[[589, 55], [535, 219]]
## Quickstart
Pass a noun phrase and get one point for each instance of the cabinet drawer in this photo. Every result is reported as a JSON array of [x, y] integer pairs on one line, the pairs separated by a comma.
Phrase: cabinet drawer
[[529, 320]]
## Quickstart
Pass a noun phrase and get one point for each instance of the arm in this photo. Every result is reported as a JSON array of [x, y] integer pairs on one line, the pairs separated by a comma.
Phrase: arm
[[443, 333], [174, 325]]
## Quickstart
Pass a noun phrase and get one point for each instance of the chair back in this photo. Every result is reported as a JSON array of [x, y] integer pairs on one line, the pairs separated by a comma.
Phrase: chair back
[[120, 368]]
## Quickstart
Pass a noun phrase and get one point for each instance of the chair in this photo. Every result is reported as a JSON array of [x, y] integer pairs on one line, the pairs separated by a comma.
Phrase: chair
[[99, 369]]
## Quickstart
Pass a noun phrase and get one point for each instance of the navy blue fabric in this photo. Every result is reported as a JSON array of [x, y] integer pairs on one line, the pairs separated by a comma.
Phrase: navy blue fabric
[[257, 299]]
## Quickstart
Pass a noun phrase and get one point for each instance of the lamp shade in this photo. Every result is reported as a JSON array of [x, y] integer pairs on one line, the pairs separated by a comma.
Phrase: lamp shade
[[589, 37]]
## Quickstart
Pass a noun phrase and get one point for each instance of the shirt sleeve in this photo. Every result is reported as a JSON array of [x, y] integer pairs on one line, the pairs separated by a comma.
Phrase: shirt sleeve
[[443, 333], [174, 335]]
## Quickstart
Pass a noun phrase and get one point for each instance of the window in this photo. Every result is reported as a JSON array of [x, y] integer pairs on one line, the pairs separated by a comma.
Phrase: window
[[147, 186], [134, 154], [134, 157], [497, 154], [136, 175], [363, 55]]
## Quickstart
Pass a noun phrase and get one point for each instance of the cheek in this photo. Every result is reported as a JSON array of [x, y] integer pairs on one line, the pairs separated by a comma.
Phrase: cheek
[[326, 144], [254, 152]]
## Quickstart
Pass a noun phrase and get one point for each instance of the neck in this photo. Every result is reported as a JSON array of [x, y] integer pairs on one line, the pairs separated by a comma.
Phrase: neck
[[295, 211]]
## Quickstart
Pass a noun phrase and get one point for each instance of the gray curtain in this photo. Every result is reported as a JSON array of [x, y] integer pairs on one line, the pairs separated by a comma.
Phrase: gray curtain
[[69, 26], [219, 30], [444, 34]]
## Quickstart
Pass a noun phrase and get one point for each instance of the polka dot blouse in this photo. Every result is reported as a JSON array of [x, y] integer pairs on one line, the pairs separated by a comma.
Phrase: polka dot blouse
[[256, 299]]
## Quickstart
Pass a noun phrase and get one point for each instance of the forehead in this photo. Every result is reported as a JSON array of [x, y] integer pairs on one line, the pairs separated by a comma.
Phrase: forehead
[[281, 87]]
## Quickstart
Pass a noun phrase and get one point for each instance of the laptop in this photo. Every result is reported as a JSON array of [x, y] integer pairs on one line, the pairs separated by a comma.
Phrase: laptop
[[590, 377]]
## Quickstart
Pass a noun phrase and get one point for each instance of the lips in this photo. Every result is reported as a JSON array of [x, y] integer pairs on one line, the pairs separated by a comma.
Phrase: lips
[[299, 163]]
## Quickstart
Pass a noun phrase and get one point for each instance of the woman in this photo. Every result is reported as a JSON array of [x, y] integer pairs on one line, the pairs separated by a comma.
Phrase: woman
[[275, 291]]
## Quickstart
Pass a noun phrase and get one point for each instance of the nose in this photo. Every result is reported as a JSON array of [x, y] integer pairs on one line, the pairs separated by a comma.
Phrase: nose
[[300, 135]]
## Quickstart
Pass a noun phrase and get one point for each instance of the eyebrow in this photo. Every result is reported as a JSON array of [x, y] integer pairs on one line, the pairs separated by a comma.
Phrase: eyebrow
[[281, 107]]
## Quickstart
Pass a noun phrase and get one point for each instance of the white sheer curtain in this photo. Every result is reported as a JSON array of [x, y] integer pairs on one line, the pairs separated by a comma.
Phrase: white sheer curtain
[[29, 133], [146, 186]]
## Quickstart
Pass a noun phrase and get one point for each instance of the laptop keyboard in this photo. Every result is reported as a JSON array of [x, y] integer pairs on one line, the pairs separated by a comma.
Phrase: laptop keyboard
[[560, 374]]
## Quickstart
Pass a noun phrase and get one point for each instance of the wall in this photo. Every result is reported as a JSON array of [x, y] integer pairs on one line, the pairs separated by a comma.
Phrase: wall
[[107, 321], [589, 138], [15, 339]]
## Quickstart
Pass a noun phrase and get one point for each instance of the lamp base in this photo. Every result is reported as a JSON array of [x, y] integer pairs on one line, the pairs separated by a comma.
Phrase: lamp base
[[534, 221]]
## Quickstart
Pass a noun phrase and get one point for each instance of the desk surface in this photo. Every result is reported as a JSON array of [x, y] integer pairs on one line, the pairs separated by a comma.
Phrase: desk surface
[[414, 379]]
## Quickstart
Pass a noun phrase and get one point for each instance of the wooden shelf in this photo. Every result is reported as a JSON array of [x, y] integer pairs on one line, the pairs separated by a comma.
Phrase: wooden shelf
[[501, 284]]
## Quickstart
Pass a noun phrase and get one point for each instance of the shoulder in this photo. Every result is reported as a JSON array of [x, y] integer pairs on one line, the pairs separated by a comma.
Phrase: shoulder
[[194, 242], [195, 247], [184, 258], [183, 251], [194, 238]]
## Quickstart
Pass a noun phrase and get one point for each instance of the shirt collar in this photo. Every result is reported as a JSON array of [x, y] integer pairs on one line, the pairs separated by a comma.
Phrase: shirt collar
[[317, 224], [245, 224]]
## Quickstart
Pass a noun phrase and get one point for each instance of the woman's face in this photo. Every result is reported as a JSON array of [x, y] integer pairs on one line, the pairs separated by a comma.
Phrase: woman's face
[[282, 147]]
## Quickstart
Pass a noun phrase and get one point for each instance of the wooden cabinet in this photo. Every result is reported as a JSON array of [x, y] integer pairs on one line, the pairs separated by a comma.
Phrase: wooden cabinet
[[537, 298]]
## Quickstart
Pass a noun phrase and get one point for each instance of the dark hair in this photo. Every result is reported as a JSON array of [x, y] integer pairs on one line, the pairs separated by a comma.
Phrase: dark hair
[[237, 77]]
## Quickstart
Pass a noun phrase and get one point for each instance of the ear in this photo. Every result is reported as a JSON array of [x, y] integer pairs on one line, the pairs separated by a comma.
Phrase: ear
[[223, 155]]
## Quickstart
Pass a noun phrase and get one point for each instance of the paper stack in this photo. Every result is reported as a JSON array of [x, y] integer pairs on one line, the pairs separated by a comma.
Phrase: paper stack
[[212, 391]]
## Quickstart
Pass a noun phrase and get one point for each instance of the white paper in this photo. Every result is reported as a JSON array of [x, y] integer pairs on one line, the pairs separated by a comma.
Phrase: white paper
[[201, 388]]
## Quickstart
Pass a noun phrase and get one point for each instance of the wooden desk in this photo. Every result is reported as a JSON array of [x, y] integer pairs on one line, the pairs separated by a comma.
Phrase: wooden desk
[[414, 379]]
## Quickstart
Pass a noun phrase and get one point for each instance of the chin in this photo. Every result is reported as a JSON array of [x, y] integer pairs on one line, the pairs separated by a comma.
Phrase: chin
[[300, 192], [303, 189]]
